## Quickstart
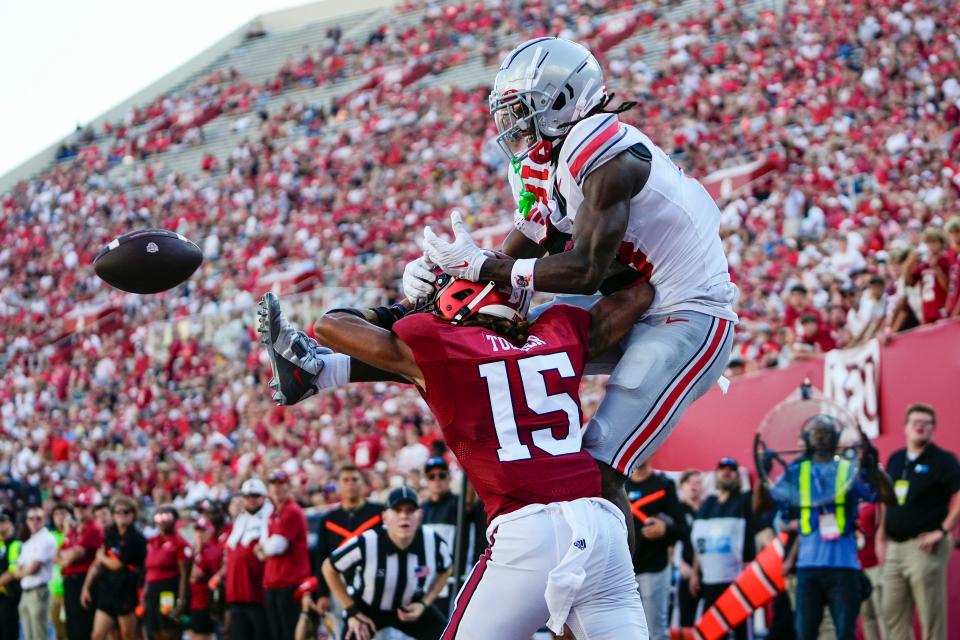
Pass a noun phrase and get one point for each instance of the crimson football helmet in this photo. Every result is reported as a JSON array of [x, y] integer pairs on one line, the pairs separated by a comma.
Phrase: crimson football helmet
[[456, 299]]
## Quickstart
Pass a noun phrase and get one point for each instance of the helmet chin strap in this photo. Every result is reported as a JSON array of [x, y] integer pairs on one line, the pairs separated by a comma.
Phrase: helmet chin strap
[[468, 308]]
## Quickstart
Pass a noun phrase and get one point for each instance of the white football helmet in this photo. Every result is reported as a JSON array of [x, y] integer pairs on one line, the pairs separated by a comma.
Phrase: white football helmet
[[542, 87]]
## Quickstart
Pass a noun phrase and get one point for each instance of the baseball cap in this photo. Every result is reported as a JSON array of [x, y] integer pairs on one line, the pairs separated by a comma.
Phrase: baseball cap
[[728, 462], [400, 495], [436, 462], [253, 487], [6, 515], [278, 475]]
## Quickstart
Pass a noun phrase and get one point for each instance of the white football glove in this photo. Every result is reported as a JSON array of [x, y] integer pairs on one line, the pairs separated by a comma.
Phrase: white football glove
[[418, 280], [462, 257]]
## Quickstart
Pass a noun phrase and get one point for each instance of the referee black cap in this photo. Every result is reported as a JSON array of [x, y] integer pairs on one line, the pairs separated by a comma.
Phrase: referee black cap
[[400, 495]]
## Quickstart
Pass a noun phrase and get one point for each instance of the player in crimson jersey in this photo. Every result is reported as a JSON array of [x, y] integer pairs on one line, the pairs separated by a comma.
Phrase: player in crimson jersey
[[506, 395], [608, 206]]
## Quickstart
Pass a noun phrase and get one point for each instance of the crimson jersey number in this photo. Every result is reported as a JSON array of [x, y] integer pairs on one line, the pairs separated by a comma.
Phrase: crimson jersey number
[[538, 401]]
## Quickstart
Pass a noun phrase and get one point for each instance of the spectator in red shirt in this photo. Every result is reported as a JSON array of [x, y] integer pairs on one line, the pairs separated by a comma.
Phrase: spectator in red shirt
[[797, 306], [168, 569], [366, 446], [932, 275], [207, 560], [75, 557], [244, 571], [814, 335], [868, 521], [287, 562]]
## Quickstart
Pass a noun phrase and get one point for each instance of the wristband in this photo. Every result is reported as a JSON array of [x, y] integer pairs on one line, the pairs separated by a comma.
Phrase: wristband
[[351, 611], [521, 276]]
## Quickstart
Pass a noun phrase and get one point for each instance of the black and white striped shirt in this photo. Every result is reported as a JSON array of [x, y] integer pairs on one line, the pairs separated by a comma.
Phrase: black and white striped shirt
[[387, 577]]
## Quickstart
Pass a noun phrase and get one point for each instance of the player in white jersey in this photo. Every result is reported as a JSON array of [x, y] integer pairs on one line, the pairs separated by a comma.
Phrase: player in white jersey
[[587, 180]]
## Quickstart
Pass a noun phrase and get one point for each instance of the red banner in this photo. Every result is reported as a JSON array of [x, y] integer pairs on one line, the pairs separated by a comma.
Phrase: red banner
[[725, 182]]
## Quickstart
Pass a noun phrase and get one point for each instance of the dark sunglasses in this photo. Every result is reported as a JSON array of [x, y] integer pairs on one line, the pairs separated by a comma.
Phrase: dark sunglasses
[[437, 476], [122, 512]]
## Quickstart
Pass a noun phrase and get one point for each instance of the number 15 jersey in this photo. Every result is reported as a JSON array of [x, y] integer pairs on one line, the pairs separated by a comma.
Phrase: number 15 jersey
[[510, 414]]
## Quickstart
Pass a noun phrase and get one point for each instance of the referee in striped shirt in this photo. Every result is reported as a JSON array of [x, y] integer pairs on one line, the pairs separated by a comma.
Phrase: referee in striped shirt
[[400, 570]]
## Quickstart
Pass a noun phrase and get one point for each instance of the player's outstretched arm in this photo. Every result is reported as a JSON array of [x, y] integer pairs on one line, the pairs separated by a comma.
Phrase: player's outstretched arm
[[518, 246], [344, 332], [612, 317], [598, 231]]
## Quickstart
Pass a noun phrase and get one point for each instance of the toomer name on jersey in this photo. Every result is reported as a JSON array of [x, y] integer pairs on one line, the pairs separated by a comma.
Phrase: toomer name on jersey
[[499, 343]]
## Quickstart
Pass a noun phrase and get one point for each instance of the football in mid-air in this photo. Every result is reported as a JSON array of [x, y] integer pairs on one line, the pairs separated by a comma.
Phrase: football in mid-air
[[147, 261]]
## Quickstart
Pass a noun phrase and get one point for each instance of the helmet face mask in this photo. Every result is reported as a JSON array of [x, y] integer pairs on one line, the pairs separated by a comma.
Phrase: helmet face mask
[[543, 87], [515, 118]]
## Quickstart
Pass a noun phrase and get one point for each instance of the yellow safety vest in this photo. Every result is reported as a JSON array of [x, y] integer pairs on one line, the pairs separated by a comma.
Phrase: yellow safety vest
[[839, 499], [9, 554]]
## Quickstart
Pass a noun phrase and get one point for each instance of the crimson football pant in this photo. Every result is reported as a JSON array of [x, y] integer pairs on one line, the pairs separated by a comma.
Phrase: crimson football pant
[[518, 583]]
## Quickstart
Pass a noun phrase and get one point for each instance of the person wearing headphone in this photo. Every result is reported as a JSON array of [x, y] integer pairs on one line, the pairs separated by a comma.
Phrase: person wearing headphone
[[821, 490]]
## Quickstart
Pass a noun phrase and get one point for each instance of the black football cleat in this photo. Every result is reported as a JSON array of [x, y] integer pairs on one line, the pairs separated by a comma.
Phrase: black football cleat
[[295, 357]]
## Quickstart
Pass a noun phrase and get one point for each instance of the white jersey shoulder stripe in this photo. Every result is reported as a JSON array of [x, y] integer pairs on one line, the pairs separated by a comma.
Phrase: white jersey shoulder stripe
[[601, 157], [583, 138]]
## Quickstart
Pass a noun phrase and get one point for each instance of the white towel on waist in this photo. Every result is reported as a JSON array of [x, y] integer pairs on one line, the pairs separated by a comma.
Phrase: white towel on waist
[[565, 580]]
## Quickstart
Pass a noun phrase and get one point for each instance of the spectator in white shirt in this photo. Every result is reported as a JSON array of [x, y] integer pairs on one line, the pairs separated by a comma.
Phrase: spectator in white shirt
[[34, 569], [414, 454], [867, 319]]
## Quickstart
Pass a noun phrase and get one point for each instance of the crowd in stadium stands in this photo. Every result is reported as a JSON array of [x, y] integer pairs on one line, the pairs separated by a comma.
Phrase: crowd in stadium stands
[[250, 561], [852, 235]]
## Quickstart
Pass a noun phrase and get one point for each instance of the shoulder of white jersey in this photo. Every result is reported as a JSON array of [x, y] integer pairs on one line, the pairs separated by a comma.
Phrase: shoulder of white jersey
[[590, 143]]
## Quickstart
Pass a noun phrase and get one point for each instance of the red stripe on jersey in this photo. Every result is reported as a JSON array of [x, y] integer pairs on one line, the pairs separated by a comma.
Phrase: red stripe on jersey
[[463, 600], [526, 171], [590, 149], [676, 396]]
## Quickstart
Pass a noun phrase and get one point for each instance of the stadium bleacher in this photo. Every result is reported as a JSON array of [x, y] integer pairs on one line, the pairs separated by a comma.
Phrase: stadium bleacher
[[331, 183]]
